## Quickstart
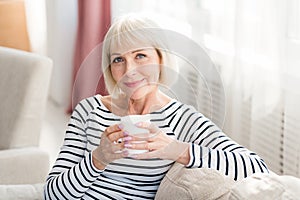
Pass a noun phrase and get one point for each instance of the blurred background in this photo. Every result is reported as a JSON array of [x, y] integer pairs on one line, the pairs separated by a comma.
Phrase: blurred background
[[254, 44]]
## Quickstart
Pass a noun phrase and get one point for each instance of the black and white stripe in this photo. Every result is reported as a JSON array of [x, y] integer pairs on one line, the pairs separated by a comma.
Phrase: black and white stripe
[[73, 175]]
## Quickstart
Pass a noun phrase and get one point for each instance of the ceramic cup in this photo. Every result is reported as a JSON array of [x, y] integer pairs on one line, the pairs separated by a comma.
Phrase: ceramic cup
[[129, 122]]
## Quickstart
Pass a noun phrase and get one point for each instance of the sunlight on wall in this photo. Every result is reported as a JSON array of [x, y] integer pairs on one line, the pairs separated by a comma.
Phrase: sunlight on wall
[[171, 15], [37, 25]]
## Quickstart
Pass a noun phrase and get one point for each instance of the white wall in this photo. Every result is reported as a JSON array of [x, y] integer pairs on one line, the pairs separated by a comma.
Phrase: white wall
[[61, 35], [170, 18], [36, 25]]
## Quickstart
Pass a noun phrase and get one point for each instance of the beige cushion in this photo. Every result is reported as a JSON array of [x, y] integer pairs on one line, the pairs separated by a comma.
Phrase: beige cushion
[[201, 184], [267, 187], [21, 192], [23, 166]]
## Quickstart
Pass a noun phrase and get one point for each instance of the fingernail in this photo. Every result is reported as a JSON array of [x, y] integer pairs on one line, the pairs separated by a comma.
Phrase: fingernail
[[121, 126], [125, 152], [125, 133], [139, 124], [127, 145], [128, 138], [134, 156]]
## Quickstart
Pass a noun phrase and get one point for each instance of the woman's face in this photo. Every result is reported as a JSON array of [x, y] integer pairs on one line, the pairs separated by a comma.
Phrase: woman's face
[[136, 71]]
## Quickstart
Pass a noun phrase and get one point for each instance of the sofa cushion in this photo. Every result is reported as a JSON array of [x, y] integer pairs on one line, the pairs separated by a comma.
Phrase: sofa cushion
[[21, 192], [23, 166], [267, 187], [198, 183]]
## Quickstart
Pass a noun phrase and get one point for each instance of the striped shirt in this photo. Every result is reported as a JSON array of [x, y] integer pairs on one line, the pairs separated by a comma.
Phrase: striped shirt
[[74, 176]]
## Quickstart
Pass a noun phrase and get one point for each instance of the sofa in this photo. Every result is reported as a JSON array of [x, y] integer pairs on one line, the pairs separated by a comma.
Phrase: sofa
[[208, 184], [197, 184], [24, 83]]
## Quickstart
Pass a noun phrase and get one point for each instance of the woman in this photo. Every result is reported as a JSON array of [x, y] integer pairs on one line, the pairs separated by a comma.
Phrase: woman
[[94, 162]]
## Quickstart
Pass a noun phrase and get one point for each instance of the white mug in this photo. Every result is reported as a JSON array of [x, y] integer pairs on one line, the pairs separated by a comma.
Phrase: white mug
[[129, 122]]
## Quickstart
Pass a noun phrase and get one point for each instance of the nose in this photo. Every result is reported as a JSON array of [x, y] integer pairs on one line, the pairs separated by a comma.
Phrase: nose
[[131, 68]]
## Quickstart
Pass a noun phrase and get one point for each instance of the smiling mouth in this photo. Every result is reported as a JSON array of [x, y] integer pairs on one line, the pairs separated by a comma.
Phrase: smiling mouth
[[133, 84]]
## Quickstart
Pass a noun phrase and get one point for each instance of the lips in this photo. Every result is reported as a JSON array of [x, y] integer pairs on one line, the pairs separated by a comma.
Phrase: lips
[[133, 84]]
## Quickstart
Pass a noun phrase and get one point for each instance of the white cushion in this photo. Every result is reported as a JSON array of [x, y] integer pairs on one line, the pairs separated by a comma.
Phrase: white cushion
[[198, 183], [23, 166], [21, 192], [267, 187]]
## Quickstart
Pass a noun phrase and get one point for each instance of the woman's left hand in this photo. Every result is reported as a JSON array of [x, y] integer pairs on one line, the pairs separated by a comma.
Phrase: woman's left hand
[[160, 145]]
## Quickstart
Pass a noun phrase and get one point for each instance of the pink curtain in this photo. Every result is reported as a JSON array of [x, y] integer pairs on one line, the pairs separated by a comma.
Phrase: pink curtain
[[93, 22]]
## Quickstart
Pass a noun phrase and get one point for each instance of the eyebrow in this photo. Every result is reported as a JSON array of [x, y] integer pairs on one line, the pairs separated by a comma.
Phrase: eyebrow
[[137, 50]]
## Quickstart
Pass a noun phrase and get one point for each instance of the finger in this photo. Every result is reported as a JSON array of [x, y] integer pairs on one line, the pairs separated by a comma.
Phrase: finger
[[147, 125], [115, 136], [117, 147], [120, 154], [142, 137], [141, 146], [114, 128], [148, 155], [150, 137]]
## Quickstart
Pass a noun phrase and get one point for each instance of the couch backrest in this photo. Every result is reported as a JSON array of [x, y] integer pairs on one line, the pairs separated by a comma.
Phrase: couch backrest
[[24, 83]]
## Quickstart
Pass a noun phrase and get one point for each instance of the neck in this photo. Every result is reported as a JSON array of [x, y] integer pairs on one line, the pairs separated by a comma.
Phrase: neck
[[147, 104], [143, 105]]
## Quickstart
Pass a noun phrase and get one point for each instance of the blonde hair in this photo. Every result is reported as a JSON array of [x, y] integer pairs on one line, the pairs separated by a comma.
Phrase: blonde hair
[[136, 30]]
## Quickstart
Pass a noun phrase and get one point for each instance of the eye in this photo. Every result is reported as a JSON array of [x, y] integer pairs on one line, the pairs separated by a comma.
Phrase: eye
[[117, 60], [140, 56]]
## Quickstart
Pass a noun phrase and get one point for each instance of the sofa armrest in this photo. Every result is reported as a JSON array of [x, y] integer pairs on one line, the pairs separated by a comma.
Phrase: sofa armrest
[[23, 166], [24, 91]]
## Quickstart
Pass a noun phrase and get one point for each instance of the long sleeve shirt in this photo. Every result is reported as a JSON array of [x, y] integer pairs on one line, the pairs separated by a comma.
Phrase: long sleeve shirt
[[74, 176]]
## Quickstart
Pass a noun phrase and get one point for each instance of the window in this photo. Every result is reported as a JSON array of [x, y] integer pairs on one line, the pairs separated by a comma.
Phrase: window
[[255, 45]]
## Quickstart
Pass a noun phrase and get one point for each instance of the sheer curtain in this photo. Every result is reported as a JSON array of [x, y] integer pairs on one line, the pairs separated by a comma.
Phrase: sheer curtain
[[291, 83], [255, 45], [255, 52]]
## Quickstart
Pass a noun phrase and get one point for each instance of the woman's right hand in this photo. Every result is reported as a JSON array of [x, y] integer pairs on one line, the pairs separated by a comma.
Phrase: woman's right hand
[[111, 146]]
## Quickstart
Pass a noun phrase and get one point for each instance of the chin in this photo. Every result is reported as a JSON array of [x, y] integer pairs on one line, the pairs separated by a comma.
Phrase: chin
[[142, 92]]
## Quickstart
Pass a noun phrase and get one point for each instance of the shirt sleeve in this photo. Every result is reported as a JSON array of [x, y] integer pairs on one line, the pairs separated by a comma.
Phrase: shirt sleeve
[[211, 148], [73, 172]]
